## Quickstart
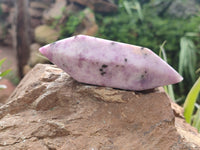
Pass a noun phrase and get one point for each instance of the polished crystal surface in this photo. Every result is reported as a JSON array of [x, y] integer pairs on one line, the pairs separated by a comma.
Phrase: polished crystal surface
[[108, 63]]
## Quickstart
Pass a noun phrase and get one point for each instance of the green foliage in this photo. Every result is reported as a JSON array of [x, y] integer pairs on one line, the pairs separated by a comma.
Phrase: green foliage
[[189, 104], [71, 25], [4, 73], [196, 119], [168, 88], [188, 58]]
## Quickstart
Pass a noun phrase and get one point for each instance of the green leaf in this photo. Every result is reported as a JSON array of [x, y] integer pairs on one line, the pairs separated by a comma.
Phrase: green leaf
[[5, 73], [188, 57], [169, 88], [190, 101], [2, 61], [139, 10], [127, 7], [196, 120]]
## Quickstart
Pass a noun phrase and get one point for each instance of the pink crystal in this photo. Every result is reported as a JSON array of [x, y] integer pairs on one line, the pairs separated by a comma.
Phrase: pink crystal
[[108, 63]]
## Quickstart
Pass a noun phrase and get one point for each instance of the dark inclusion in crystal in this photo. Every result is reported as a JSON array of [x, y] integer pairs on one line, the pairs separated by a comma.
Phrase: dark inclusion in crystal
[[102, 69], [104, 66], [144, 75], [112, 43]]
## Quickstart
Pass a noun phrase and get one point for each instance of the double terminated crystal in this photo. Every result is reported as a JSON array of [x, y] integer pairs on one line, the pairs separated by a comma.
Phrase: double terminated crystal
[[108, 63]]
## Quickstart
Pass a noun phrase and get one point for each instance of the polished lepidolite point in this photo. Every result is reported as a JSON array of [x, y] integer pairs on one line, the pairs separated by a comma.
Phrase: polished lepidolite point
[[108, 63]]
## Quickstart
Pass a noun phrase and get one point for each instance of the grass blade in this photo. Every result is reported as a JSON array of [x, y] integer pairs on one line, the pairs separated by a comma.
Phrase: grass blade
[[190, 101], [2, 61], [168, 88], [127, 7], [196, 120], [188, 57], [139, 10], [5, 73]]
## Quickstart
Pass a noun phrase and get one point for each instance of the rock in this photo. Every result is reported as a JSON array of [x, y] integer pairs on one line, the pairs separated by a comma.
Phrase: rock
[[2, 32], [108, 63], [35, 13], [176, 8], [102, 6], [35, 22], [55, 12], [181, 9], [72, 9], [45, 34], [4, 8], [11, 16], [88, 25], [35, 58], [5, 93], [38, 5], [49, 110]]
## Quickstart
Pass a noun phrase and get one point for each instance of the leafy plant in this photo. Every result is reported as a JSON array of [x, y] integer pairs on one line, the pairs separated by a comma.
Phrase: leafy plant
[[71, 25], [4, 73], [188, 58], [189, 105], [196, 119], [130, 6]]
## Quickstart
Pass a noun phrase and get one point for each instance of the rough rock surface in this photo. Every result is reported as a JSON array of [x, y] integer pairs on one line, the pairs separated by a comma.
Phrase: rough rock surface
[[50, 111]]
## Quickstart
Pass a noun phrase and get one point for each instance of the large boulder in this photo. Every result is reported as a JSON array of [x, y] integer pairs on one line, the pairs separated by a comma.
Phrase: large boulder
[[44, 34], [50, 110]]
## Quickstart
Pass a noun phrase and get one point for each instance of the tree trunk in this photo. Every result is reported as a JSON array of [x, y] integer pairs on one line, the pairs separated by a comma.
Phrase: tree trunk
[[22, 34]]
